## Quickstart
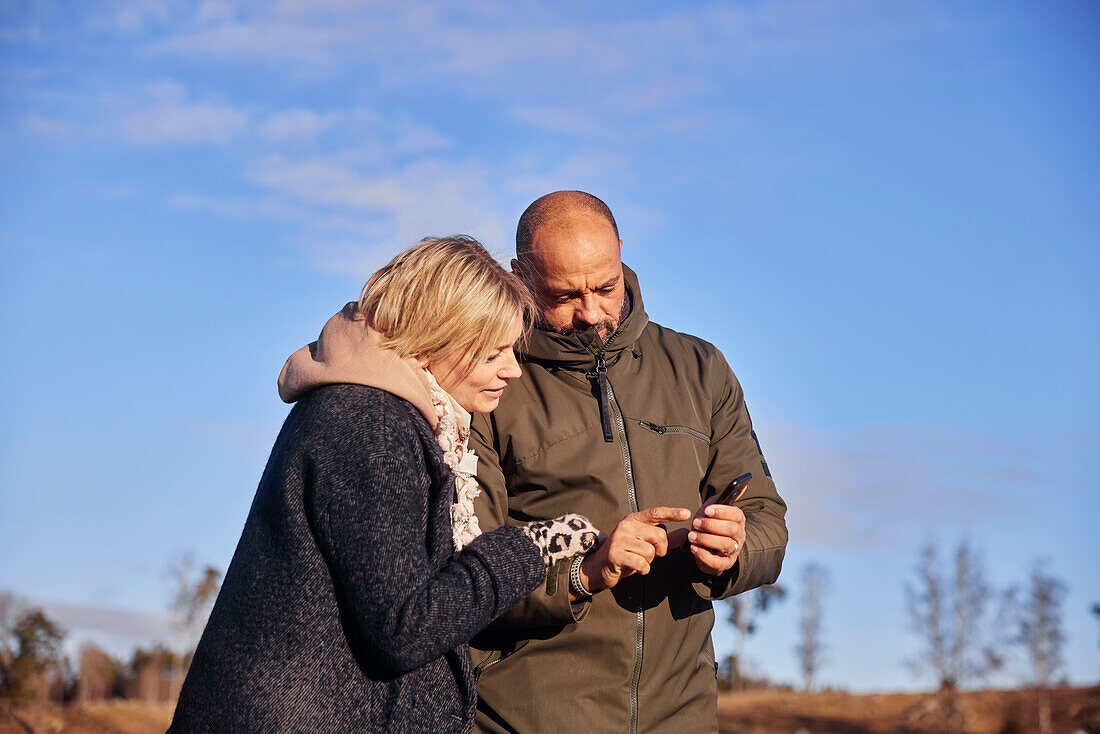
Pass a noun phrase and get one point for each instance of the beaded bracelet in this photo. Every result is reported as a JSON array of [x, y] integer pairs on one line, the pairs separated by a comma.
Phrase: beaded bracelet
[[575, 583]]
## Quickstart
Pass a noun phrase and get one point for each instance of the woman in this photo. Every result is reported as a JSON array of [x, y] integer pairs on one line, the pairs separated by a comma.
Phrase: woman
[[361, 573]]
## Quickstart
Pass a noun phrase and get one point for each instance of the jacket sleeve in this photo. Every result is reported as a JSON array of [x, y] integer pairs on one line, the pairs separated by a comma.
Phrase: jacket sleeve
[[548, 605], [735, 450], [368, 494]]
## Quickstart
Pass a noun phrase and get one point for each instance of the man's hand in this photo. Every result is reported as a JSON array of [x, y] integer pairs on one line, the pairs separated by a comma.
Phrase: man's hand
[[716, 537], [630, 548]]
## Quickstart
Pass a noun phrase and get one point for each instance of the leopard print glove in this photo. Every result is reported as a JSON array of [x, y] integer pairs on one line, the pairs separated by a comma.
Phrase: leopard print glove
[[561, 538]]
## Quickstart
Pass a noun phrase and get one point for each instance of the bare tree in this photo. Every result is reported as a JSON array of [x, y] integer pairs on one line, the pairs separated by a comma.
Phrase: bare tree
[[151, 674], [926, 602], [1040, 625], [949, 616], [1038, 621], [811, 650], [195, 593], [100, 675], [744, 609], [1096, 611]]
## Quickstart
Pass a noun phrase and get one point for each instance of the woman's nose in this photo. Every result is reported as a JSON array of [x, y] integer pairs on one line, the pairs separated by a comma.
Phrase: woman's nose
[[511, 367]]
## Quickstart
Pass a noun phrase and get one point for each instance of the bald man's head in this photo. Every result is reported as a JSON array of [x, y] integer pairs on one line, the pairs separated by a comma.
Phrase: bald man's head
[[568, 253], [559, 210]]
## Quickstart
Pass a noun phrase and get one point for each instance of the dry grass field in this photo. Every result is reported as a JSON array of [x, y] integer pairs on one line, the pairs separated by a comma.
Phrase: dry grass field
[[753, 712], [978, 712], [101, 717]]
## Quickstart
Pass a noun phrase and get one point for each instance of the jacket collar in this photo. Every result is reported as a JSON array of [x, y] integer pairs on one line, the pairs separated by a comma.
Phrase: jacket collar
[[578, 351]]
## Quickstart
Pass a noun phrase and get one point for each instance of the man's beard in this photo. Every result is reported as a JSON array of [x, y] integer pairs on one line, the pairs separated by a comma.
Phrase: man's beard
[[607, 325]]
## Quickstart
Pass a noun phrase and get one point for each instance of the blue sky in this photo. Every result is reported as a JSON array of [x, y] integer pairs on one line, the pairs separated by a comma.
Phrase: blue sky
[[887, 216]]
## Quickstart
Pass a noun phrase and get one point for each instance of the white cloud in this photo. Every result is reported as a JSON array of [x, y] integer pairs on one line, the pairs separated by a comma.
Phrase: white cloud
[[134, 16], [300, 124], [426, 197], [591, 169], [897, 485], [325, 181], [118, 631], [637, 76], [634, 75], [41, 125], [557, 119], [169, 117], [527, 49], [222, 207], [349, 173], [214, 11], [351, 257], [267, 207]]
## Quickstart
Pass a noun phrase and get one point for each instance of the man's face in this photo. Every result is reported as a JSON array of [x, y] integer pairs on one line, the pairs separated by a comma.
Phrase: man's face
[[576, 275]]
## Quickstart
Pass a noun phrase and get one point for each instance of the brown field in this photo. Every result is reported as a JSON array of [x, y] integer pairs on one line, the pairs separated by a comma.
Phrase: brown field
[[752, 712], [100, 717], [978, 712]]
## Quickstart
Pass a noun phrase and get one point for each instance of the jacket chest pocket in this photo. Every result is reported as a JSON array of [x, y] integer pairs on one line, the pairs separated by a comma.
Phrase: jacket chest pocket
[[671, 458], [675, 430]]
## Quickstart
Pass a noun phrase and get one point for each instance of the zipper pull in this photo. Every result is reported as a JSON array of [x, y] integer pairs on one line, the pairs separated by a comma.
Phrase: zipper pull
[[599, 378]]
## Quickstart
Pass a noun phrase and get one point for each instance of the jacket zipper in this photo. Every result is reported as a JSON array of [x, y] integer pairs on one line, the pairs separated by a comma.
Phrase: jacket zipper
[[492, 659], [610, 407], [599, 379], [674, 429], [639, 624]]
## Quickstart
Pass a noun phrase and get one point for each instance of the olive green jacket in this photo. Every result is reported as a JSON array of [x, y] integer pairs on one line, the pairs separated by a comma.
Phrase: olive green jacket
[[670, 430]]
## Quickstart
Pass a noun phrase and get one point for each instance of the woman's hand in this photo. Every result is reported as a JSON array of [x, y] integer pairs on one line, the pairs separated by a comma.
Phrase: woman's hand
[[562, 537]]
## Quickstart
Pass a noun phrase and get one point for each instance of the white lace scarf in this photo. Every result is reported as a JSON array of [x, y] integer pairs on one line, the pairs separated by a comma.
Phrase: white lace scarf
[[453, 432]]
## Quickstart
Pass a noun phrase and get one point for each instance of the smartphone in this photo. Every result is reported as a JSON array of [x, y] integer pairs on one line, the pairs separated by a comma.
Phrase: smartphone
[[731, 493]]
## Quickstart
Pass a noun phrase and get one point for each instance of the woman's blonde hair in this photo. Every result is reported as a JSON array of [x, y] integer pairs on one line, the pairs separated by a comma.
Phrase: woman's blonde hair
[[444, 295]]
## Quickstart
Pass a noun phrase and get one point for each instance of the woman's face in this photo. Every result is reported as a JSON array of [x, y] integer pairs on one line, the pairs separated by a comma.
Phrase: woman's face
[[479, 391]]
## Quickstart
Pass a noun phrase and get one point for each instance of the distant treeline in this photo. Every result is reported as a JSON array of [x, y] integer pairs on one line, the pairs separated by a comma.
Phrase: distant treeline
[[34, 667], [964, 630]]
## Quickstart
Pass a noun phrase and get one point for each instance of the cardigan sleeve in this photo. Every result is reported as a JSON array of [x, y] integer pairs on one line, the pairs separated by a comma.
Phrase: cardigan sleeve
[[367, 492]]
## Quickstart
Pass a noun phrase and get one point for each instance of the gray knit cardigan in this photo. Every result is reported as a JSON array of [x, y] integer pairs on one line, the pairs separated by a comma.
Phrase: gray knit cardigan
[[345, 607]]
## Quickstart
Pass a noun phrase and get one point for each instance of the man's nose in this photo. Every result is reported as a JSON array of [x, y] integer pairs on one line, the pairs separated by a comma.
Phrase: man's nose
[[588, 312]]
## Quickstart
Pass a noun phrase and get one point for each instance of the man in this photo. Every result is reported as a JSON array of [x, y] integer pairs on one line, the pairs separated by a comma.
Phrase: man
[[621, 420]]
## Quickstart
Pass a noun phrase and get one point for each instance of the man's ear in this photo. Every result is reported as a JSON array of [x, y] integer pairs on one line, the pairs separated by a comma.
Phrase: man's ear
[[519, 271], [620, 247]]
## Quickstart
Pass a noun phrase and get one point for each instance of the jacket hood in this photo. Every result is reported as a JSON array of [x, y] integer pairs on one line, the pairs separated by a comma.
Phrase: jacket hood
[[578, 350], [349, 352]]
